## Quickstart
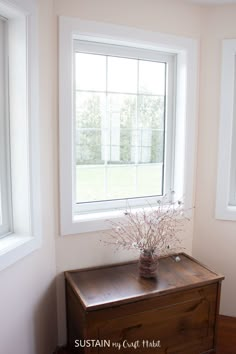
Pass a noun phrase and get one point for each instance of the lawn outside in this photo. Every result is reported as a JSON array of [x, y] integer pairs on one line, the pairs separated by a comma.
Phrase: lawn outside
[[105, 182]]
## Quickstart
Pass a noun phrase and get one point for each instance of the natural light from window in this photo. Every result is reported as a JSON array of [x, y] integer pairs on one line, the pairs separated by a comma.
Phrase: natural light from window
[[119, 127]]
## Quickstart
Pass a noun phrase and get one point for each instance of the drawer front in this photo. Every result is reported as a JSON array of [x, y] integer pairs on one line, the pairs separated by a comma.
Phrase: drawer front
[[184, 327]]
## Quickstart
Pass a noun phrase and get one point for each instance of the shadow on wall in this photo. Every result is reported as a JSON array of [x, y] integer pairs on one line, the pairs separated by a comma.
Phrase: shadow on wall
[[61, 298], [45, 322]]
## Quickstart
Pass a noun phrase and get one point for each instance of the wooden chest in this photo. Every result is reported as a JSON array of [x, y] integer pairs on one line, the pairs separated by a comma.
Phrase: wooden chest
[[112, 310]]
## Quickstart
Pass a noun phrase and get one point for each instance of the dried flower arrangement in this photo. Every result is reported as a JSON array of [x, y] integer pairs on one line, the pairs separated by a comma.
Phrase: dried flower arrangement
[[150, 229], [154, 230]]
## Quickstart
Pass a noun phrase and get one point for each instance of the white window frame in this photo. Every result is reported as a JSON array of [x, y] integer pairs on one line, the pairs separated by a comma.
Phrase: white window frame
[[226, 190], [5, 190], [25, 235], [143, 54], [185, 50]]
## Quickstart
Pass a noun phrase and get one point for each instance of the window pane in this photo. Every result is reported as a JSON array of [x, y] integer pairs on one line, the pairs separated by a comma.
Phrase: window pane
[[90, 110], [127, 146], [88, 147], [149, 180], [150, 146], [122, 75], [121, 182], [157, 154], [152, 77], [151, 112], [90, 183], [121, 138], [121, 148], [122, 110], [90, 72], [119, 132]]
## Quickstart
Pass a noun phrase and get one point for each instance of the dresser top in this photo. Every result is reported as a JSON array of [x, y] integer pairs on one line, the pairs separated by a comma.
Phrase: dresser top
[[118, 284]]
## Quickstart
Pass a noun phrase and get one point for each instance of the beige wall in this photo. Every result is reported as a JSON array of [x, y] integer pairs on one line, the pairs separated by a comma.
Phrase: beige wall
[[27, 288], [214, 240], [167, 16]]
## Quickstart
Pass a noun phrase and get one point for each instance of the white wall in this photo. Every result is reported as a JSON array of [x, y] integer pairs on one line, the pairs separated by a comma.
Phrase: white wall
[[214, 240], [27, 288]]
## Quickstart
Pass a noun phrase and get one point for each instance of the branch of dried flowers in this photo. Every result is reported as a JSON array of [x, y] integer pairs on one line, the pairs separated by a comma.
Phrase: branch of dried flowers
[[154, 229]]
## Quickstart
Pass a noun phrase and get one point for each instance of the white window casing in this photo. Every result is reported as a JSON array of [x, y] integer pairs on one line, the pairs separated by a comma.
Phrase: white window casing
[[184, 108], [5, 193], [226, 175], [22, 117]]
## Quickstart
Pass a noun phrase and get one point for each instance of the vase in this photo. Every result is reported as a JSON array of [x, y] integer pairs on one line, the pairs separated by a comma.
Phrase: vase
[[148, 264]]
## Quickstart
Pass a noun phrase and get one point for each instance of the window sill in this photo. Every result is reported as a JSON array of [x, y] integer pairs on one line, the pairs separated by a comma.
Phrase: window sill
[[14, 247], [93, 222]]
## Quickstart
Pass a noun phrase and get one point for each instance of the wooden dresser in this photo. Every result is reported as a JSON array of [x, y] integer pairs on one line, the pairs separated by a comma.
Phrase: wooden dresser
[[111, 310]]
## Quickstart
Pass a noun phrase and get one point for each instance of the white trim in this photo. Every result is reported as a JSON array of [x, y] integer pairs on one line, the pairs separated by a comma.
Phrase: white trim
[[15, 247], [120, 50], [23, 77], [224, 210], [187, 68], [5, 190]]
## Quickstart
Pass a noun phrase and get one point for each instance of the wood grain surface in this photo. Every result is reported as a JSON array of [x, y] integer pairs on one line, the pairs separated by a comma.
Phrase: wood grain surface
[[178, 309], [226, 337], [112, 285]]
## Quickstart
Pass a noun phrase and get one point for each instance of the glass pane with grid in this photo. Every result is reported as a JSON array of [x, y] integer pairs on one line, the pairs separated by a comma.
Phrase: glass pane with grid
[[119, 127]]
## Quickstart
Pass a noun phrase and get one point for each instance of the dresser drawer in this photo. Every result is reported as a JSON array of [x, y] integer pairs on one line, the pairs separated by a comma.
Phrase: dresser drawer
[[168, 327]]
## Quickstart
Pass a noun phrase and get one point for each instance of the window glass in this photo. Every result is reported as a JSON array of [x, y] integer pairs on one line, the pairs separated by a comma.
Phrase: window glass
[[90, 72], [119, 127], [152, 77], [122, 75]]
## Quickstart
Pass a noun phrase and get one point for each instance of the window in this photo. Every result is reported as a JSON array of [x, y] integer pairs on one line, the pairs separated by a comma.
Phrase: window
[[127, 120], [232, 198], [122, 125], [5, 210], [226, 178], [19, 139]]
